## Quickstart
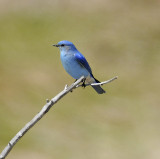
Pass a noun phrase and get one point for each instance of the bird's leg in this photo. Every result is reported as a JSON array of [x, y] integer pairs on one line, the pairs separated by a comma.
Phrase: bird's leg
[[83, 84]]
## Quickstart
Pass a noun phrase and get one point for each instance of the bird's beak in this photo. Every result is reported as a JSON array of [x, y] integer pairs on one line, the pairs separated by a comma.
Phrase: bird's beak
[[56, 45]]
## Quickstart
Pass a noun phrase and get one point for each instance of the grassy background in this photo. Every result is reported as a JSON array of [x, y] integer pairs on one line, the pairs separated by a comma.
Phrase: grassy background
[[117, 38]]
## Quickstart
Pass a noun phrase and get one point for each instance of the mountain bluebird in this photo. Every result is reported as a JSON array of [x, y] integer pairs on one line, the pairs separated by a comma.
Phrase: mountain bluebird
[[76, 65]]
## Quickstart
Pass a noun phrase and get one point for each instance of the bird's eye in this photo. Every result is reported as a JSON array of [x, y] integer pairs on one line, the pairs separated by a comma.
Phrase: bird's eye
[[62, 45]]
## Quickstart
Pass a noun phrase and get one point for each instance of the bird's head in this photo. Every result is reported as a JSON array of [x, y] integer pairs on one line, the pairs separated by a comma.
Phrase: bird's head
[[65, 45]]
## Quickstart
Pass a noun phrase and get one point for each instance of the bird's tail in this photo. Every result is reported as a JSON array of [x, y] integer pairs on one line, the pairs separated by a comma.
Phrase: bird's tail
[[98, 88]]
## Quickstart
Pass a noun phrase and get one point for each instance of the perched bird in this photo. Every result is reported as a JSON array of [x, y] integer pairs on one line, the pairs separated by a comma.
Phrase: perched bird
[[76, 65]]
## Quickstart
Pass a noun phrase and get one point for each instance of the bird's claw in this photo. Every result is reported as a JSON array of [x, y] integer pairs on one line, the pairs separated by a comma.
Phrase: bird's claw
[[83, 84]]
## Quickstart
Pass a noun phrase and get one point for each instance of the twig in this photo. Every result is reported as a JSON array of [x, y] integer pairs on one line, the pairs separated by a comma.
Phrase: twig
[[43, 111], [102, 83]]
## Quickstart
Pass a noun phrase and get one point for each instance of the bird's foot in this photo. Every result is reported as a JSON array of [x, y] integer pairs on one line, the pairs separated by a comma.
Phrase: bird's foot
[[83, 84]]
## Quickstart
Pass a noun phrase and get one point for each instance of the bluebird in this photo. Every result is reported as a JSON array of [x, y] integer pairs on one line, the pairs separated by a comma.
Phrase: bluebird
[[76, 65]]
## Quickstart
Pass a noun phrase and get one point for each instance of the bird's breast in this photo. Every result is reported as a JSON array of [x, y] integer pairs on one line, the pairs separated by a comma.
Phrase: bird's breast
[[71, 65]]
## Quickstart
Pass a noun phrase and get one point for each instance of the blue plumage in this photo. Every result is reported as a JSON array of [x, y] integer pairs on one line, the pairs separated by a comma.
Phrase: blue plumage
[[75, 63], [82, 61]]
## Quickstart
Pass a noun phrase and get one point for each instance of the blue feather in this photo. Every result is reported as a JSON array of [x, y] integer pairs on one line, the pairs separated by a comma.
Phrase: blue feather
[[82, 61]]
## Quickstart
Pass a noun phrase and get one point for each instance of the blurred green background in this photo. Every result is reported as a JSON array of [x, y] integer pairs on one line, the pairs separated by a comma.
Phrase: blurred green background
[[118, 38]]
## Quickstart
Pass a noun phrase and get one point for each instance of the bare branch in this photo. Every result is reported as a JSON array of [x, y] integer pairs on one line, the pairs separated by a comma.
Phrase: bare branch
[[43, 111], [102, 83]]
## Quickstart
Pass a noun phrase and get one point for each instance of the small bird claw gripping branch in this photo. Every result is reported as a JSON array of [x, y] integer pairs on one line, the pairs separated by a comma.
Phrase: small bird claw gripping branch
[[43, 111], [101, 83]]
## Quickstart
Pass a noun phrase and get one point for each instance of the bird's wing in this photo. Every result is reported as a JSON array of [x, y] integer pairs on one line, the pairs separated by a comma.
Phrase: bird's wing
[[82, 61]]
